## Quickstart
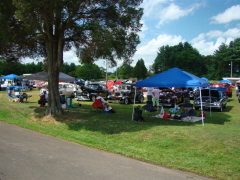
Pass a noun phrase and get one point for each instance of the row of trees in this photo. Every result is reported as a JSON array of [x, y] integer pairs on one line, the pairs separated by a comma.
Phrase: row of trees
[[85, 71], [225, 62]]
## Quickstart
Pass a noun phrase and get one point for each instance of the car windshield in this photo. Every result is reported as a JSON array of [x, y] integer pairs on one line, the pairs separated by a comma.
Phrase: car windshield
[[93, 86], [125, 87]]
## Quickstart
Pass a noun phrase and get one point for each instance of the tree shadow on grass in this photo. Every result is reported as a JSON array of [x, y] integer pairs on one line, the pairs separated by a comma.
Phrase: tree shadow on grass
[[86, 118]]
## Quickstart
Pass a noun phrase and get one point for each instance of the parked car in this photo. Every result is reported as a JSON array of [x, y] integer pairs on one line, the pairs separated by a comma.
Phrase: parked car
[[169, 98], [224, 85], [212, 98], [90, 91], [67, 89], [79, 81], [126, 93]]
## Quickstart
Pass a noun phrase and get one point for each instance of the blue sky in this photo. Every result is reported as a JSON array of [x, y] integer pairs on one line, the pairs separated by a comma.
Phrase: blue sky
[[205, 24]]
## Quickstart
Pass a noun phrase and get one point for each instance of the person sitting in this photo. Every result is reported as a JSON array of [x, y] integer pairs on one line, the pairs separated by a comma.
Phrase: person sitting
[[24, 96], [42, 100], [104, 103]]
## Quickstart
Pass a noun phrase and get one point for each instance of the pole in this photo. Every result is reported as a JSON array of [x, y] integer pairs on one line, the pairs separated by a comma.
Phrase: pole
[[231, 68], [106, 70]]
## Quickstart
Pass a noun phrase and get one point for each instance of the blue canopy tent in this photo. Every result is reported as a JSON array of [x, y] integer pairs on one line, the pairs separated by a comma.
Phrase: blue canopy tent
[[174, 77], [204, 78], [225, 81], [10, 76]]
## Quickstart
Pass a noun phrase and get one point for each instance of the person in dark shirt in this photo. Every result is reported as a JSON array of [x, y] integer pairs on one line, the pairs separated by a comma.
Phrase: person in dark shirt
[[186, 96]]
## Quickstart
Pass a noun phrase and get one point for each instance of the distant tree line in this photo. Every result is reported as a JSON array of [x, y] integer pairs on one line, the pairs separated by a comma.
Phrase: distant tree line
[[182, 56], [225, 62]]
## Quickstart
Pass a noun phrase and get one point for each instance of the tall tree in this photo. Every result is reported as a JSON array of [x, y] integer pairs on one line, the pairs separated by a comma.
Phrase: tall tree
[[140, 70], [125, 71], [100, 29], [88, 71]]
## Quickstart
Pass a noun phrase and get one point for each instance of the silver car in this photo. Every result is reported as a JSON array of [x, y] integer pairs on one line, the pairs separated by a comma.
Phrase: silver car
[[212, 98], [66, 88]]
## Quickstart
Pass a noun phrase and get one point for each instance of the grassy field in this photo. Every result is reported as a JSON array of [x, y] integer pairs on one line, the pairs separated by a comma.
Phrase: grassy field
[[212, 150]]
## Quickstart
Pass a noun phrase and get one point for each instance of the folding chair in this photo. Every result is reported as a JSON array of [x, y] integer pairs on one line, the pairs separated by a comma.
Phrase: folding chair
[[189, 112], [98, 106], [11, 97], [149, 108]]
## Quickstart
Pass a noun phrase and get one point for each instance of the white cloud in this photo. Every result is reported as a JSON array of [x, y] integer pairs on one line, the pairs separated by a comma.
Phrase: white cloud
[[149, 52], [231, 14], [172, 12], [209, 42], [152, 6], [70, 57], [143, 30]]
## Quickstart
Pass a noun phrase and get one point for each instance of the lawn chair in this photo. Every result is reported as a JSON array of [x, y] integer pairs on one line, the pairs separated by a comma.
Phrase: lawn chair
[[12, 97], [98, 106], [150, 109], [189, 112]]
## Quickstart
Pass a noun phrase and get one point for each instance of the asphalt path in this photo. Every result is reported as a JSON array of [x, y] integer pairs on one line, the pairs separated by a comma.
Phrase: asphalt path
[[29, 155]]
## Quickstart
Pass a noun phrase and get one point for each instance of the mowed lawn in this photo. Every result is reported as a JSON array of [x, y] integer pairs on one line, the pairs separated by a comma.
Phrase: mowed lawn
[[212, 150]]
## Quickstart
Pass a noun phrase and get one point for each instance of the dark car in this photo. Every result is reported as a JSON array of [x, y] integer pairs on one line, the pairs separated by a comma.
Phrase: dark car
[[224, 85], [212, 98], [170, 98], [90, 91], [79, 81], [126, 93]]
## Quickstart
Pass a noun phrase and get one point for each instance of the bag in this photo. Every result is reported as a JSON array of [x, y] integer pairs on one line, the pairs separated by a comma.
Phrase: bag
[[40, 101]]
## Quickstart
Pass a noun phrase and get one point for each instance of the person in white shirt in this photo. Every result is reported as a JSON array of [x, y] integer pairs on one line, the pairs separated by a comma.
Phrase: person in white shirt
[[155, 96], [149, 93], [105, 104]]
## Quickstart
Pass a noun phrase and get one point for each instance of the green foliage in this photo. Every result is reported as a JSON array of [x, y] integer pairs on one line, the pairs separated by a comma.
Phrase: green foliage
[[88, 71], [125, 71], [185, 57], [140, 70]]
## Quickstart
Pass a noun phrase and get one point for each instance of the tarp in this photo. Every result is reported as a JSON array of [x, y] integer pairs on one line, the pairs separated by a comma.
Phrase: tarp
[[173, 78], [44, 76], [10, 76]]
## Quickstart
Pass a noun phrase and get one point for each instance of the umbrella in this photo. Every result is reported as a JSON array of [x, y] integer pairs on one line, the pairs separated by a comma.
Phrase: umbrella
[[225, 81], [10, 76]]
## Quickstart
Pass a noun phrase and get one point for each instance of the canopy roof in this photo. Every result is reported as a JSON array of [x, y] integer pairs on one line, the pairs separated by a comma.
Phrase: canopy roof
[[10, 76], [44, 76], [225, 81], [173, 78]]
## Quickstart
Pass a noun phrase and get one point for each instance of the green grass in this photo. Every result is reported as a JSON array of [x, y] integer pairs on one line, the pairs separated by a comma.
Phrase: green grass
[[212, 150]]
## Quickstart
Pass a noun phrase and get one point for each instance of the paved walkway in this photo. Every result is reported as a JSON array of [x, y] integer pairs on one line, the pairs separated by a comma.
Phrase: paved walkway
[[29, 155]]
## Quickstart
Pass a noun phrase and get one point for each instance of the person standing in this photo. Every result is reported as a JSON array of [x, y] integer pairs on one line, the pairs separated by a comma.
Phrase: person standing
[[75, 88], [186, 96], [149, 93], [155, 96], [86, 83]]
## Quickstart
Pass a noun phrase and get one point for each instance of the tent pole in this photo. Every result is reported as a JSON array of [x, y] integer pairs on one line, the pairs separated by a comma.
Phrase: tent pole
[[134, 100], [201, 106]]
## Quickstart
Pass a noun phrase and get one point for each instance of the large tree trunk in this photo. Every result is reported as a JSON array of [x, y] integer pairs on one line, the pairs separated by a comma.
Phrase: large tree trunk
[[54, 62]]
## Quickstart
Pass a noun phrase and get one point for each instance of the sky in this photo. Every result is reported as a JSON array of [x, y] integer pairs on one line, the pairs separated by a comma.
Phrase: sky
[[205, 24]]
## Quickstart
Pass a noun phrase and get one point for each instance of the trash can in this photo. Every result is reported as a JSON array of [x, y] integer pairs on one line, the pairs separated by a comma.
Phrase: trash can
[[138, 114]]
